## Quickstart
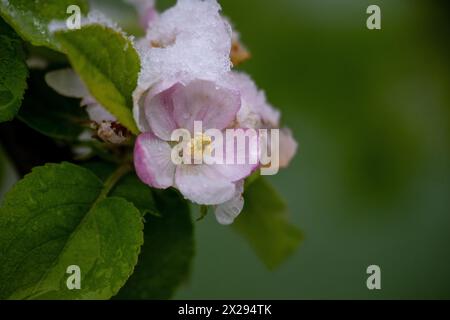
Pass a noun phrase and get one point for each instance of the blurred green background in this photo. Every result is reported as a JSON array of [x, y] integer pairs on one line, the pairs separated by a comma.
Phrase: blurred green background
[[371, 181]]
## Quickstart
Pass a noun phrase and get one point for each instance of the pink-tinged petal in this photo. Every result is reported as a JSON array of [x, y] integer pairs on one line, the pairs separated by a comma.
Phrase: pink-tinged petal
[[204, 101], [256, 111], [227, 212], [148, 17], [159, 113], [203, 185], [153, 162], [288, 147], [269, 115]]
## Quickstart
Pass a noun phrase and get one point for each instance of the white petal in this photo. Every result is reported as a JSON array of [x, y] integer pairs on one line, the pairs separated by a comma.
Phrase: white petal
[[227, 212], [97, 113], [288, 147], [67, 83], [203, 185]]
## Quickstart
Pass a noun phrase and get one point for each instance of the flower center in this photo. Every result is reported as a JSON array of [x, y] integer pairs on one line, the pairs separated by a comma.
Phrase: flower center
[[199, 145]]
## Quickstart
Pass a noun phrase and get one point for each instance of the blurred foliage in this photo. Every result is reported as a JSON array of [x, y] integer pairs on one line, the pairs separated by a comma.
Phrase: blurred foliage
[[264, 223], [370, 184], [168, 251]]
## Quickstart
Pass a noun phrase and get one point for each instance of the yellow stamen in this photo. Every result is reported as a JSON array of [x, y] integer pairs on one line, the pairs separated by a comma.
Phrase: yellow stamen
[[199, 145]]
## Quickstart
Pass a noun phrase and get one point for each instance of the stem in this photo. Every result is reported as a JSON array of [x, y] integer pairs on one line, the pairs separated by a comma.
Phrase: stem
[[113, 179]]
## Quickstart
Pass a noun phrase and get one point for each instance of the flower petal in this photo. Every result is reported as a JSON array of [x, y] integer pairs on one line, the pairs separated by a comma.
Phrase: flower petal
[[204, 101], [234, 172], [203, 185], [67, 83], [288, 147], [153, 162], [245, 146], [96, 111], [227, 212], [159, 113], [256, 111]]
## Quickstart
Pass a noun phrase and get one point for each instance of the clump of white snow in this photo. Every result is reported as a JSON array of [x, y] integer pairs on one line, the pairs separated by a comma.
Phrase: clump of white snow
[[192, 38]]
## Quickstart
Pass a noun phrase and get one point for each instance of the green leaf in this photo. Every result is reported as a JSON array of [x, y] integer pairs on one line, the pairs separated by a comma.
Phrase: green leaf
[[129, 187], [58, 216], [13, 73], [101, 169], [30, 18], [132, 189], [165, 261], [264, 223], [166, 256], [108, 64], [50, 113], [8, 174]]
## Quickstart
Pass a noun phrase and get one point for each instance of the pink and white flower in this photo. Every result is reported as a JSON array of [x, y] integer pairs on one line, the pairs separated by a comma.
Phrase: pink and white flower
[[179, 107], [186, 76]]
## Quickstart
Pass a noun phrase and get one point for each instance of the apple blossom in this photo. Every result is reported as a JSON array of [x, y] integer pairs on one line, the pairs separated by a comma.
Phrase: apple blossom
[[179, 107], [187, 76]]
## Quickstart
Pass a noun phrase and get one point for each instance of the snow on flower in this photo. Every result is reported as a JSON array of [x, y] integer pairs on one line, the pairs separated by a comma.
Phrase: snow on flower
[[186, 77]]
